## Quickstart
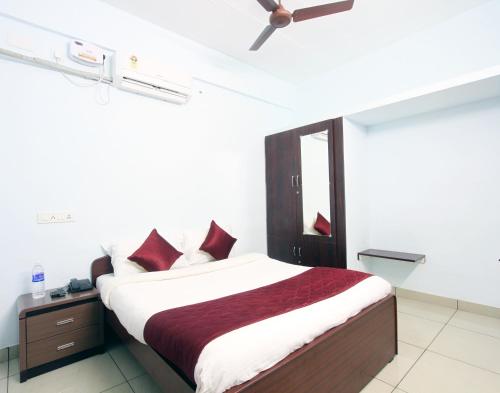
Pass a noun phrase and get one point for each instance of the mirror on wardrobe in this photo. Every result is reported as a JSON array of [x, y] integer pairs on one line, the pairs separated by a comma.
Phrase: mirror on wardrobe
[[315, 181]]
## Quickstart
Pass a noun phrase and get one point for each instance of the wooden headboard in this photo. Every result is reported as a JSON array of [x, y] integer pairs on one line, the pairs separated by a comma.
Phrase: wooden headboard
[[99, 267]]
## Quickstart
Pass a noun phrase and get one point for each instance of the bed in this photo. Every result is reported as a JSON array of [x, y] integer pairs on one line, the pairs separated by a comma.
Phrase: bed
[[335, 345]]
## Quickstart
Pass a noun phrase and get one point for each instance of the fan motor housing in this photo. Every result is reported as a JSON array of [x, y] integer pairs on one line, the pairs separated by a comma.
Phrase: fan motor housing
[[280, 18]]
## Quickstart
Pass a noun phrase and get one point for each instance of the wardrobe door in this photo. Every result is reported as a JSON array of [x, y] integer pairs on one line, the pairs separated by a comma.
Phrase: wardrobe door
[[321, 172], [282, 249], [314, 166], [338, 189], [315, 252], [282, 189]]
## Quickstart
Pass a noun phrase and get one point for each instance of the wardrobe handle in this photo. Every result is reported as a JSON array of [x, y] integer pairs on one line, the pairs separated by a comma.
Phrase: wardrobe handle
[[300, 251], [292, 180], [294, 254], [298, 183]]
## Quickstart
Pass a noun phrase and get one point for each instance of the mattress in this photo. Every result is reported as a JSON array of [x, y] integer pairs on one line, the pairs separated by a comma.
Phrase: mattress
[[241, 354]]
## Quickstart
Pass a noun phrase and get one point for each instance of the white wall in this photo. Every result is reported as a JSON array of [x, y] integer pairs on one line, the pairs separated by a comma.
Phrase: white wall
[[128, 166], [138, 163], [433, 188], [422, 184], [356, 190], [465, 43]]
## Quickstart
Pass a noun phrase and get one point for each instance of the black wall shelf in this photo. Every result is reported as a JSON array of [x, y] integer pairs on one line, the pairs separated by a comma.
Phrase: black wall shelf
[[394, 255]]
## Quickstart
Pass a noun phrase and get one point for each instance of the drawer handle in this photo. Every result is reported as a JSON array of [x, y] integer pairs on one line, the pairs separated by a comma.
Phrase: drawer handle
[[65, 321], [66, 346]]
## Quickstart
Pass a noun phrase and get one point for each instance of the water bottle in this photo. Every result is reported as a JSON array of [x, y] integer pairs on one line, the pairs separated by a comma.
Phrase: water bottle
[[37, 282]]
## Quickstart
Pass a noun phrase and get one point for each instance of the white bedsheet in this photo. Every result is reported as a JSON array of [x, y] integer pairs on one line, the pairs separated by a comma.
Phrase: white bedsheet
[[237, 356]]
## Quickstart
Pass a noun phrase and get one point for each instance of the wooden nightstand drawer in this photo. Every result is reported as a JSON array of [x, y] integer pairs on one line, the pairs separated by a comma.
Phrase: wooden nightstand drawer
[[54, 332], [62, 345], [62, 321]]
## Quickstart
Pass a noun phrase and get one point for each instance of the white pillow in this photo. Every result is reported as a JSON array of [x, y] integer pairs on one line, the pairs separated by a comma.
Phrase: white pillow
[[191, 243], [309, 226], [119, 251]]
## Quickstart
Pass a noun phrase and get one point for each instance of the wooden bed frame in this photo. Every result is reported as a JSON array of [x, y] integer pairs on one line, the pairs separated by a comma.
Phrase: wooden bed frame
[[342, 360]]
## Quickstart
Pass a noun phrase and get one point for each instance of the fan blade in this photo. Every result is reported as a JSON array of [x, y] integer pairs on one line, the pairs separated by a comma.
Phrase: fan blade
[[322, 10], [266, 33], [269, 5]]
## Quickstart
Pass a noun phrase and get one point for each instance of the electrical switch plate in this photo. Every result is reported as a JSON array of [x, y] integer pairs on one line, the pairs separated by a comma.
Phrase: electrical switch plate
[[54, 218]]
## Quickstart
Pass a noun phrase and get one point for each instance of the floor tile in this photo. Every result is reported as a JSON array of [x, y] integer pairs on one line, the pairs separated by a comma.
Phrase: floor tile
[[91, 375], [13, 367], [394, 372], [126, 362], [144, 384], [477, 323], [4, 369], [470, 347], [3, 385], [376, 386], [434, 373], [123, 388], [417, 331], [4, 355], [430, 311]]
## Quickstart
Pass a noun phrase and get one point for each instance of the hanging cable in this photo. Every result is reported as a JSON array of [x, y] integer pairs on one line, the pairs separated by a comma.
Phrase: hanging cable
[[99, 97]]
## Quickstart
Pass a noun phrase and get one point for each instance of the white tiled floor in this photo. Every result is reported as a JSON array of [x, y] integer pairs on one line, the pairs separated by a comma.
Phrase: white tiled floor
[[441, 350], [394, 372], [92, 375], [416, 330], [128, 365], [144, 384], [476, 323], [123, 388]]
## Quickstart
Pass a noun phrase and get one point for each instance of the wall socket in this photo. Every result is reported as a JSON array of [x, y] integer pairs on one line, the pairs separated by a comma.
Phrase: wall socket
[[54, 218]]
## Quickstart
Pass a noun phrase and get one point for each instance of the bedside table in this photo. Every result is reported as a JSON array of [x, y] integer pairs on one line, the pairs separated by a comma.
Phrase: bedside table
[[59, 331]]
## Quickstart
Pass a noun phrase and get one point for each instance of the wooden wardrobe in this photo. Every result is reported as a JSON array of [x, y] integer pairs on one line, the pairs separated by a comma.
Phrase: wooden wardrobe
[[287, 239]]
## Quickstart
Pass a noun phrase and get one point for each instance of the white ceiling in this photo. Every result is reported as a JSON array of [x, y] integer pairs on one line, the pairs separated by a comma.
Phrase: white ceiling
[[303, 49]]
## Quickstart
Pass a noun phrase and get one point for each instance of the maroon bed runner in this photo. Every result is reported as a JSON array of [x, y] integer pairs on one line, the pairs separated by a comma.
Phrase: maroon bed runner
[[180, 334]]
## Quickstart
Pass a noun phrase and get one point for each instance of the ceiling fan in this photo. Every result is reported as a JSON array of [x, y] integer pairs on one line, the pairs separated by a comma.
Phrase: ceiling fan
[[281, 17]]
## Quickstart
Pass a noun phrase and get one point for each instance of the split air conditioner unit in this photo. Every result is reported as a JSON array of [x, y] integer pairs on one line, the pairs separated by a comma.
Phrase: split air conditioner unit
[[153, 79]]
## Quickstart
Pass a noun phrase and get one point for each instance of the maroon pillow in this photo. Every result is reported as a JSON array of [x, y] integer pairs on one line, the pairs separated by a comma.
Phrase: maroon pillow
[[155, 253], [218, 242], [322, 225]]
